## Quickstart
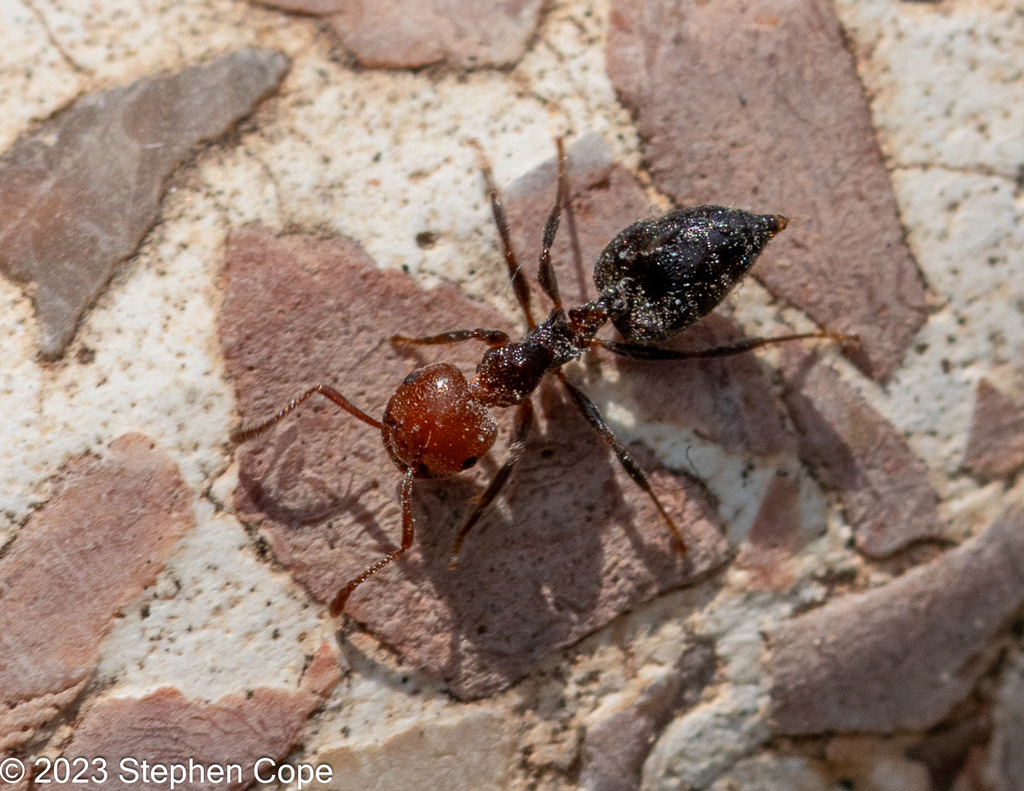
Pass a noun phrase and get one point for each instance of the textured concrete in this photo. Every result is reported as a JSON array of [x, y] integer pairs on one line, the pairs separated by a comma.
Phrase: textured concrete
[[931, 111]]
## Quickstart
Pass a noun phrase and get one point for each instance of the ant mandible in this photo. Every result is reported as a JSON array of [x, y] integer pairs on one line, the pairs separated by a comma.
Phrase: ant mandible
[[656, 279]]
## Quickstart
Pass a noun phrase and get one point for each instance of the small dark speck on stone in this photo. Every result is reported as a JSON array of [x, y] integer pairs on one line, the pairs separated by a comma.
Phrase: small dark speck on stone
[[77, 196], [426, 239]]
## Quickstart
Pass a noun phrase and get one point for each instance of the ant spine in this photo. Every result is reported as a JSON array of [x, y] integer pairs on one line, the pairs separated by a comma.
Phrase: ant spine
[[655, 279]]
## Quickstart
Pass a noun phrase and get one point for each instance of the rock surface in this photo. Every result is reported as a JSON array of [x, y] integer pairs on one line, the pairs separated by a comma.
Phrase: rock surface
[[406, 34], [102, 538], [996, 444], [77, 196], [166, 728], [471, 752], [758, 105], [902, 655], [854, 451], [614, 751], [1007, 754], [574, 544]]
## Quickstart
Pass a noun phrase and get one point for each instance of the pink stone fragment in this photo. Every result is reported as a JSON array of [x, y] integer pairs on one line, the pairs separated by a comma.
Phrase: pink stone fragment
[[725, 400], [772, 537], [756, 104], [166, 728], [1007, 744], [101, 539], [996, 444], [323, 674], [570, 544], [614, 750], [411, 33], [902, 655], [77, 196], [854, 451]]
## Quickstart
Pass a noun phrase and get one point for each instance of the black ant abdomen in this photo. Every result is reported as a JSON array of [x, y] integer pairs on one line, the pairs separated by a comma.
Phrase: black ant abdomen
[[660, 276]]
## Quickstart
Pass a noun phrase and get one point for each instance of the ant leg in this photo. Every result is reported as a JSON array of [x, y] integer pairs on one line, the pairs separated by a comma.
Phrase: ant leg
[[524, 421], [546, 274], [490, 337], [339, 601], [574, 241], [654, 353], [589, 411], [515, 272], [242, 435]]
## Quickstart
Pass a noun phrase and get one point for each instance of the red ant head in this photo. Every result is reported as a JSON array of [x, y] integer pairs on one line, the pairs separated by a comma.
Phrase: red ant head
[[434, 426]]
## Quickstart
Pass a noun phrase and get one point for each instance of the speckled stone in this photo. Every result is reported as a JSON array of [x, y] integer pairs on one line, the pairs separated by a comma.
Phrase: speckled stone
[[1006, 757], [78, 195], [614, 750], [854, 451], [996, 444], [99, 541], [165, 728], [902, 655], [758, 105], [471, 750], [411, 33]]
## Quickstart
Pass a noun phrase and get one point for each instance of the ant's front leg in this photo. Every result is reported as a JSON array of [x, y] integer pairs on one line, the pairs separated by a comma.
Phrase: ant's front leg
[[338, 604], [240, 435], [515, 272], [546, 273], [589, 411], [493, 338]]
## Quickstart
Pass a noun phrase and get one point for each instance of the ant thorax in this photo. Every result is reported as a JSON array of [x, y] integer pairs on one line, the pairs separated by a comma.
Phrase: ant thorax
[[507, 375]]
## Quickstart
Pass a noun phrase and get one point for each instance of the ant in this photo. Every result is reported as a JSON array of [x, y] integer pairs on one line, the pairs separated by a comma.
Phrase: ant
[[655, 279]]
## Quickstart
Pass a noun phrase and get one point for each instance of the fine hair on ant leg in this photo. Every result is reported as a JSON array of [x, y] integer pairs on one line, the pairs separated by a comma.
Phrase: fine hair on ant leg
[[655, 279]]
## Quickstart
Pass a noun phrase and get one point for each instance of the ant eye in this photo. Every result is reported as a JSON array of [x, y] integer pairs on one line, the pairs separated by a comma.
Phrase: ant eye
[[469, 462], [412, 377]]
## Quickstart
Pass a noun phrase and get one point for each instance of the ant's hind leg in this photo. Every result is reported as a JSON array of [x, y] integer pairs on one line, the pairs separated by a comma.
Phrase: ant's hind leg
[[586, 406], [515, 272], [338, 604], [490, 337], [653, 353], [524, 422]]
